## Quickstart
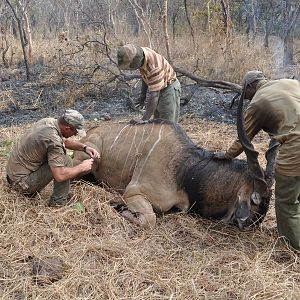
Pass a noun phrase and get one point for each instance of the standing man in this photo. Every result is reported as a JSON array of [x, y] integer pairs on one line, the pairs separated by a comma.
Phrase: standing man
[[158, 77], [275, 108], [40, 156]]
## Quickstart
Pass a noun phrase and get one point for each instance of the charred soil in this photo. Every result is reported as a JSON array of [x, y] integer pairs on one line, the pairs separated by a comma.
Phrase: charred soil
[[24, 102]]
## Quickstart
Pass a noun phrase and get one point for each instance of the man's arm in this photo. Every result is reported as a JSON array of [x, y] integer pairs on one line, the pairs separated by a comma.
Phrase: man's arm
[[143, 95], [75, 145], [151, 105], [253, 124], [64, 173]]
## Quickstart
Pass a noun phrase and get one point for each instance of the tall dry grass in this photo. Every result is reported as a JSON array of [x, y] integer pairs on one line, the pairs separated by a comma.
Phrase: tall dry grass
[[211, 57], [105, 257]]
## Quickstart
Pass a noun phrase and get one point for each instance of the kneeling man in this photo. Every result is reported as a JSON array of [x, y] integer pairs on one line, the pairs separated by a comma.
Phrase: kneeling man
[[40, 157]]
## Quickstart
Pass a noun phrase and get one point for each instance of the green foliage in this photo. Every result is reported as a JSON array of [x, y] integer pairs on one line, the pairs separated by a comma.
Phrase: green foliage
[[79, 206]]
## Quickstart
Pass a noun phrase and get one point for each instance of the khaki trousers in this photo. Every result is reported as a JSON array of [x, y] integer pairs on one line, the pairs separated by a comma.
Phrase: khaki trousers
[[37, 180], [287, 206]]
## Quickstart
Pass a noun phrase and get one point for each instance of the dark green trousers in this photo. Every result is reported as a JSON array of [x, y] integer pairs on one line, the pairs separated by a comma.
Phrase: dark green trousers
[[287, 206], [168, 106]]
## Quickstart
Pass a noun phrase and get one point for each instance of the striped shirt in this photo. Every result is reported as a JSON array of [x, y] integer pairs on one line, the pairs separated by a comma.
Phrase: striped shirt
[[156, 71]]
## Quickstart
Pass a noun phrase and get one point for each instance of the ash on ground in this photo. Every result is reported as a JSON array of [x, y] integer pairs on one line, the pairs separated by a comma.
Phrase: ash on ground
[[25, 102]]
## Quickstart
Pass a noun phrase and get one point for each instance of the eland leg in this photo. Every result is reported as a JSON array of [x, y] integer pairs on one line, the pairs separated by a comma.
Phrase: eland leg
[[139, 211]]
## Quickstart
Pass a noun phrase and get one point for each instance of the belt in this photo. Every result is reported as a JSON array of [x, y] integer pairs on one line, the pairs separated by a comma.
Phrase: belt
[[171, 81]]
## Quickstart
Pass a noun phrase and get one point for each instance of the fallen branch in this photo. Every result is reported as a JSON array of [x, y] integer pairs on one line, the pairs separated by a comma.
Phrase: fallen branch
[[210, 83]]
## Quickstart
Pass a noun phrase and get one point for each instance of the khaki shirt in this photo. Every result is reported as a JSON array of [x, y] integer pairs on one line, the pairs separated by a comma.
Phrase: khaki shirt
[[275, 108], [41, 144]]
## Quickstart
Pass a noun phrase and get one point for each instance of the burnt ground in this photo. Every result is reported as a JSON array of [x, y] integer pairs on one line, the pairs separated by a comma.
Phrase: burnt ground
[[24, 102]]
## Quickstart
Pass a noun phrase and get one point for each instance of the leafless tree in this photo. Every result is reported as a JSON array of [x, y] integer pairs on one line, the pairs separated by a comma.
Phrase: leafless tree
[[22, 38], [291, 13], [189, 22], [251, 6], [225, 4], [23, 7], [143, 20], [6, 48], [268, 20], [165, 26]]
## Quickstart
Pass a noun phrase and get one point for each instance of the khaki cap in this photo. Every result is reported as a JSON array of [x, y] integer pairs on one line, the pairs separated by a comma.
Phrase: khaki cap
[[252, 76], [128, 56], [75, 119]]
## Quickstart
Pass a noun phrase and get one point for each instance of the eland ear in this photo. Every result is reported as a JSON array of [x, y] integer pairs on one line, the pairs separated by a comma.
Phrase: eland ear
[[255, 197]]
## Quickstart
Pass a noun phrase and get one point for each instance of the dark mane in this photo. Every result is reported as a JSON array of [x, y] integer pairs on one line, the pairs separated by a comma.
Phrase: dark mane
[[197, 170], [191, 156]]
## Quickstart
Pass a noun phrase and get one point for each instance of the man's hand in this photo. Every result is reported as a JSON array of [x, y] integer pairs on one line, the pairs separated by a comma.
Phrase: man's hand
[[138, 121], [220, 155], [86, 165], [93, 153], [139, 104], [61, 174]]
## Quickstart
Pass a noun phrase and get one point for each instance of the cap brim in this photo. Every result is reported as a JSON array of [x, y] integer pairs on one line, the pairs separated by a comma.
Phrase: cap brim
[[81, 132]]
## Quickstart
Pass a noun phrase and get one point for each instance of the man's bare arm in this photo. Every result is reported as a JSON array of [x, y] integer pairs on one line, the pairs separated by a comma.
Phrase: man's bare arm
[[64, 173], [76, 145], [143, 95], [151, 105]]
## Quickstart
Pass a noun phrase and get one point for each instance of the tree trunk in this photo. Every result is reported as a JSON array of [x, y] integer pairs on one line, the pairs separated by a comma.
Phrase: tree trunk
[[27, 31], [165, 26], [288, 50], [227, 30], [140, 15], [291, 15], [20, 28], [174, 17], [189, 22], [251, 23], [268, 26]]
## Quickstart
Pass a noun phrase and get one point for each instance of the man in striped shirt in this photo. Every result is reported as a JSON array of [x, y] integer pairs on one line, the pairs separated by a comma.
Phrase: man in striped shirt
[[158, 77]]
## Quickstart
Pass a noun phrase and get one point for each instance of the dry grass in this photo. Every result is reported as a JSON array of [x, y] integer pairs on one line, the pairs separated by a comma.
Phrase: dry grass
[[211, 61], [108, 258], [211, 58]]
